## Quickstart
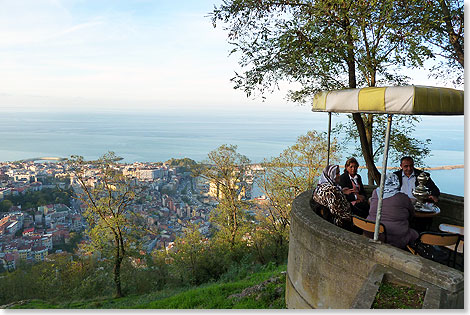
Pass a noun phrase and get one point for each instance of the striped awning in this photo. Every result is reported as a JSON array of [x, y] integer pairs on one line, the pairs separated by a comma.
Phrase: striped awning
[[410, 100]]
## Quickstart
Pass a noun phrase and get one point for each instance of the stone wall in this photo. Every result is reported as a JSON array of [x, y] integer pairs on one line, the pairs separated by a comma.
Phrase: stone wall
[[327, 266]]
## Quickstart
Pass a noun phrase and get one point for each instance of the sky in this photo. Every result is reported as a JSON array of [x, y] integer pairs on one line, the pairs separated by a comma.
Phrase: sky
[[114, 53], [133, 54]]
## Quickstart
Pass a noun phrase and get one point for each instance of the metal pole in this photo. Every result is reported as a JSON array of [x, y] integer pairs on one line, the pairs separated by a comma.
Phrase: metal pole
[[382, 179], [329, 135]]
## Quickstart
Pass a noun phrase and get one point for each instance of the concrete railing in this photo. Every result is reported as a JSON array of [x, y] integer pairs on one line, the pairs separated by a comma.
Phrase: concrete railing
[[328, 266]]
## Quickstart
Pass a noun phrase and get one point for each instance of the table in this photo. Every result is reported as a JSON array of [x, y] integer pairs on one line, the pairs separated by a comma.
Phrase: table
[[422, 220], [456, 229], [427, 214], [450, 228]]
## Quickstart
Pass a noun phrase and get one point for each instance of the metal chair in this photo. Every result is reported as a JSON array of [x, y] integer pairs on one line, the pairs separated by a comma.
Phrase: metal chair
[[369, 227], [448, 240]]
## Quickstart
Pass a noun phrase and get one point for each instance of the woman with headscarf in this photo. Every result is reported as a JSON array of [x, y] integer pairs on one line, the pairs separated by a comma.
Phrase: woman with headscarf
[[329, 195], [397, 211]]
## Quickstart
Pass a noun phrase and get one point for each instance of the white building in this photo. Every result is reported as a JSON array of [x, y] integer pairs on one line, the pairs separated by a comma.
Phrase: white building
[[148, 174]]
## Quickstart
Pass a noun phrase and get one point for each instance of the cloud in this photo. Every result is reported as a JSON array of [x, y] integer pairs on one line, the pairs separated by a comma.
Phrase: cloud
[[75, 28]]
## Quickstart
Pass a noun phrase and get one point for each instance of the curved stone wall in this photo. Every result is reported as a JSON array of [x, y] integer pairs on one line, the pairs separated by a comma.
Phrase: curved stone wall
[[327, 265]]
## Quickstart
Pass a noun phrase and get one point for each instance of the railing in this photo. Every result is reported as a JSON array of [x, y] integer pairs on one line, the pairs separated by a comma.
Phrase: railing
[[328, 266]]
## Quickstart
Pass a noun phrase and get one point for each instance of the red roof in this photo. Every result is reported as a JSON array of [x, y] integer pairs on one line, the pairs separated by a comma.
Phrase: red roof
[[24, 247], [9, 257], [39, 248]]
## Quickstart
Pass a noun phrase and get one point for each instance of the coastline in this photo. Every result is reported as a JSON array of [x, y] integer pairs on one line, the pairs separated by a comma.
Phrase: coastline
[[434, 168]]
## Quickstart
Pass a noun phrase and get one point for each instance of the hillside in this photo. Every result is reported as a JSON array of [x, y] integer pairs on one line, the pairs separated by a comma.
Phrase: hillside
[[261, 290]]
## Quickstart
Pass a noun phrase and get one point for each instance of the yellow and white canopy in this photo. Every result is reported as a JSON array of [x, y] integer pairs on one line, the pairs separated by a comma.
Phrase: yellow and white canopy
[[408, 100]]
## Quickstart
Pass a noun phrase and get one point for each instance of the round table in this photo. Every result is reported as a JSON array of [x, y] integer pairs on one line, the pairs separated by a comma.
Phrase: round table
[[422, 220], [427, 214]]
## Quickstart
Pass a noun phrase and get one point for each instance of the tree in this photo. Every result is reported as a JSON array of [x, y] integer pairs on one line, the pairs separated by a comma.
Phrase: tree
[[227, 172], [108, 195], [401, 141], [328, 44], [190, 247], [284, 177], [5, 205], [441, 23]]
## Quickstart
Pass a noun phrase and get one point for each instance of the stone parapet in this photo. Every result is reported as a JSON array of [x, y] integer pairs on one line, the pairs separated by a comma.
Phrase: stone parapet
[[328, 266]]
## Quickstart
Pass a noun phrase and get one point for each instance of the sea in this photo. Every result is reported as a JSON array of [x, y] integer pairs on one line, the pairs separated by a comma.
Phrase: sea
[[158, 135]]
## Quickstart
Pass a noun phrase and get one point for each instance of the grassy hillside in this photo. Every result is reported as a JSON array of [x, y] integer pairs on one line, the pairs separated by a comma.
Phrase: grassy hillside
[[261, 290]]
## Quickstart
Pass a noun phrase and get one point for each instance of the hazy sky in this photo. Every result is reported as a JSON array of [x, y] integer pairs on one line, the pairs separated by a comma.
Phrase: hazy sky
[[118, 53]]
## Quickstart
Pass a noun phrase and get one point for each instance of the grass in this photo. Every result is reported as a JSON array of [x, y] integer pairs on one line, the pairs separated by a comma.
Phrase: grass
[[261, 290], [394, 296]]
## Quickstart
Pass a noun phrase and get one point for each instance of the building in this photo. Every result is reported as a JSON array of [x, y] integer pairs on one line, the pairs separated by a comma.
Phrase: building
[[13, 227], [24, 251], [148, 174], [9, 261], [76, 223], [39, 253]]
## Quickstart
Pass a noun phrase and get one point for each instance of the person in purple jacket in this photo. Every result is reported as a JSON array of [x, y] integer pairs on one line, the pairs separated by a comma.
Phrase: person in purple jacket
[[397, 211]]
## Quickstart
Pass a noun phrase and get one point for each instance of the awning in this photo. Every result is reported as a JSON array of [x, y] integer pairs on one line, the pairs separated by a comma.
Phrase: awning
[[410, 100]]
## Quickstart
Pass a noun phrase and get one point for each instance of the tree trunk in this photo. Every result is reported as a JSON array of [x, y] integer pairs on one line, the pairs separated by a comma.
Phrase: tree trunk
[[453, 38], [117, 270], [373, 173], [365, 139]]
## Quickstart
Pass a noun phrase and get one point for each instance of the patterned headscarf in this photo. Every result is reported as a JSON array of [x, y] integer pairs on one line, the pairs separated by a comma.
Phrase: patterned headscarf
[[328, 175], [392, 186]]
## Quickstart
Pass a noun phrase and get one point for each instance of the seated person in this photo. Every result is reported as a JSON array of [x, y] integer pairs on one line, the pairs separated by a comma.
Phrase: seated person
[[397, 210], [328, 194], [407, 177], [353, 188]]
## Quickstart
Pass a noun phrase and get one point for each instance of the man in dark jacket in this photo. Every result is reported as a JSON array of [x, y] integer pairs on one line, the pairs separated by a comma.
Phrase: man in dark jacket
[[407, 177]]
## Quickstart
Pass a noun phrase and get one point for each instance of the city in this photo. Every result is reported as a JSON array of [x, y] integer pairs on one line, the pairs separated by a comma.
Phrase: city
[[172, 200]]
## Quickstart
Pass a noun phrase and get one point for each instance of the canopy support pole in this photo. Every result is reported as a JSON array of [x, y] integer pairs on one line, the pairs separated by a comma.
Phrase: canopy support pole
[[329, 135], [382, 178]]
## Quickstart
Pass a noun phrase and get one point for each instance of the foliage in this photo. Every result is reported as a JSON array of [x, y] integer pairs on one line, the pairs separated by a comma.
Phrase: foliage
[[198, 260], [73, 243], [331, 44], [114, 229], [401, 141], [227, 172], [51, 180], [218, 296], [168, 191], [188, 259], [215, 295], [5, 205], [61, 277], [184, 162], [65, 278], [34, 199], [284, 177], [294, 171], [311, 42], [394, 296], [441, 23]]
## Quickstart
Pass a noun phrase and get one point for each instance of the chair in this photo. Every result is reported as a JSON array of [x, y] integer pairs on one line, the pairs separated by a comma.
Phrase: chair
[[321, 210], [439, 239], [369, 227]]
